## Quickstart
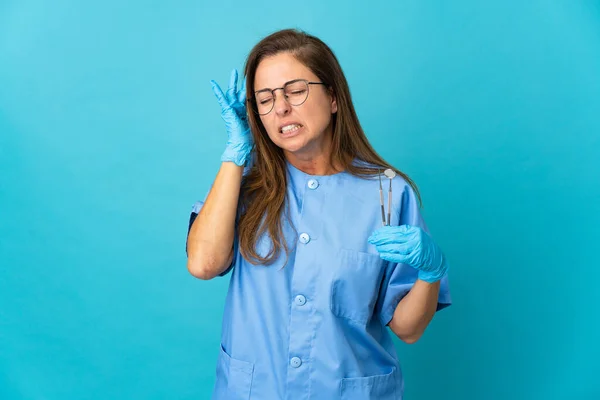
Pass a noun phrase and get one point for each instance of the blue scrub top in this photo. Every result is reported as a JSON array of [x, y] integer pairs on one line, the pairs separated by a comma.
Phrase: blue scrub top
[[316, 327]]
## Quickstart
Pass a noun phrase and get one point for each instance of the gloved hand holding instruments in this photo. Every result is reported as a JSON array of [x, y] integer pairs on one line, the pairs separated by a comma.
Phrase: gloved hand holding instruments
[[407, 244], [233, 111]]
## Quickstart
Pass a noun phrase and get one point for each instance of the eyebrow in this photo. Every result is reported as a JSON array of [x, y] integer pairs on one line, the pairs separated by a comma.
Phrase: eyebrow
[[285, 83]]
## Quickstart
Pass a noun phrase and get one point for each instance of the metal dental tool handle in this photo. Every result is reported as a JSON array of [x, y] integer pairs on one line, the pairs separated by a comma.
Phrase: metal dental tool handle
[[389, 204], [381, 201], [391, 175]]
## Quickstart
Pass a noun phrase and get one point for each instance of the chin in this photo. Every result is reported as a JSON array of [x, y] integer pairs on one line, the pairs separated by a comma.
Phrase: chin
[[292, 144], [298, 146]]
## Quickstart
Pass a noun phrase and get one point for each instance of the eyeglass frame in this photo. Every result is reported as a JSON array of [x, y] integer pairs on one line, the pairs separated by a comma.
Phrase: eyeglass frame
[[308, 83]]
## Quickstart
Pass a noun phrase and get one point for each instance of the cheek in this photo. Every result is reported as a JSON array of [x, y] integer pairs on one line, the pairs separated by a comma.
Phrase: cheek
[[271, 128], [267, 123], [317, 116]]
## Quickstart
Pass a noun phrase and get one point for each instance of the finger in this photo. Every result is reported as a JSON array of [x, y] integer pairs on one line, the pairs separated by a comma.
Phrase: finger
[[403, 249], [394, 233], [391, 230], [405, 229], [233, 79], [232, 90], [242, 93], [219, 94], [379, 239], [396, 258]]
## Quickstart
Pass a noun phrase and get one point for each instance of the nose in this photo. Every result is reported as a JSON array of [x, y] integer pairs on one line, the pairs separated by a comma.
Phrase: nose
[[282, 107]]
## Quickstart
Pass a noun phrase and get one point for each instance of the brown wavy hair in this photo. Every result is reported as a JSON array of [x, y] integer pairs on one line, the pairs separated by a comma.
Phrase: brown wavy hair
[[263, 190]]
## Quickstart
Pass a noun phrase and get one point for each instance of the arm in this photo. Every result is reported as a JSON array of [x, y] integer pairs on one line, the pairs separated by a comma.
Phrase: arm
[[210, 241], [415, 311], [414, 247], [211, 236]]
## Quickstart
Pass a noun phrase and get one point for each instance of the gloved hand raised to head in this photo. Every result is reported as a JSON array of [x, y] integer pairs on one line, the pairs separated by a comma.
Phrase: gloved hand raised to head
[[413, 246], [233, 111]]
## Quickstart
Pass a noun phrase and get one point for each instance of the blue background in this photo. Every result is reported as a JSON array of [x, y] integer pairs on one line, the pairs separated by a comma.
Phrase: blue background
[[109, 132]]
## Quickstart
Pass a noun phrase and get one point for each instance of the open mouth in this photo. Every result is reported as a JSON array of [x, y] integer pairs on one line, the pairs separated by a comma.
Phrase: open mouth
[[288, 129]]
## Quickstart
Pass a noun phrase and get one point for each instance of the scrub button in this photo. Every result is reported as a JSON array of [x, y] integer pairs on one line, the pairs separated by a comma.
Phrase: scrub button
[[295, 362], [313, 184], [304, 238], [300, 300]]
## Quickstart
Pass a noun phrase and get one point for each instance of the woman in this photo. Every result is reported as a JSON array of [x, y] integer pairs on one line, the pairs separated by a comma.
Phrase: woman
[[294, 213]]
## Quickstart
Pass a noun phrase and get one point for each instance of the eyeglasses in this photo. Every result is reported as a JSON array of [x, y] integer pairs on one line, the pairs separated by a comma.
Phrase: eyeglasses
[[295, 93]]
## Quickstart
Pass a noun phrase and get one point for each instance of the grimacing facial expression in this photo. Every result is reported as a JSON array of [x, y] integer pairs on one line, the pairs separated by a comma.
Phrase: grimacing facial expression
[[296, 129]]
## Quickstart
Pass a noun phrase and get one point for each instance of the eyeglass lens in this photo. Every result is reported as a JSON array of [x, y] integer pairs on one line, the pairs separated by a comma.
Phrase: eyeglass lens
[[295, 92]]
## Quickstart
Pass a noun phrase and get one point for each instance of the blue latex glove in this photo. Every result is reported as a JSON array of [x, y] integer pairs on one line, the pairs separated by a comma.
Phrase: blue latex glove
[[233, 111], [413, 246]]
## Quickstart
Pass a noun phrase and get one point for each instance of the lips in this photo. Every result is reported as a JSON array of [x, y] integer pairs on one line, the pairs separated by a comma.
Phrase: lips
[[289, 126]]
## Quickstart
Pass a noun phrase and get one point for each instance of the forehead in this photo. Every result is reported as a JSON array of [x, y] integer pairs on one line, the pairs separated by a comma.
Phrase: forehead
[[276, 70]]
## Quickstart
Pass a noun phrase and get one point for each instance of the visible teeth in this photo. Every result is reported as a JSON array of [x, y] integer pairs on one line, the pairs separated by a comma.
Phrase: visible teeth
[[289, 128]]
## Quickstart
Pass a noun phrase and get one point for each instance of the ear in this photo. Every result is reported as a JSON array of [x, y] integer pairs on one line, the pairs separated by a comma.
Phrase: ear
[[333, 102]]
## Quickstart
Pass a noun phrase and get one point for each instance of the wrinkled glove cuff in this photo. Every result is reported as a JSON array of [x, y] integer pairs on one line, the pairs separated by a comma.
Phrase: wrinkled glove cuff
[[436, 274], [238, 153]]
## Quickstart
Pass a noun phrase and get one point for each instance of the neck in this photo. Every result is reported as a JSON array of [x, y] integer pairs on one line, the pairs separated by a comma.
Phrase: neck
[[314, 158], [313, 165]]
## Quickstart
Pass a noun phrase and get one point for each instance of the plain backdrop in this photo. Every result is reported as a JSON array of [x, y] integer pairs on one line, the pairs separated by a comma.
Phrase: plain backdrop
[[109, 132]]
